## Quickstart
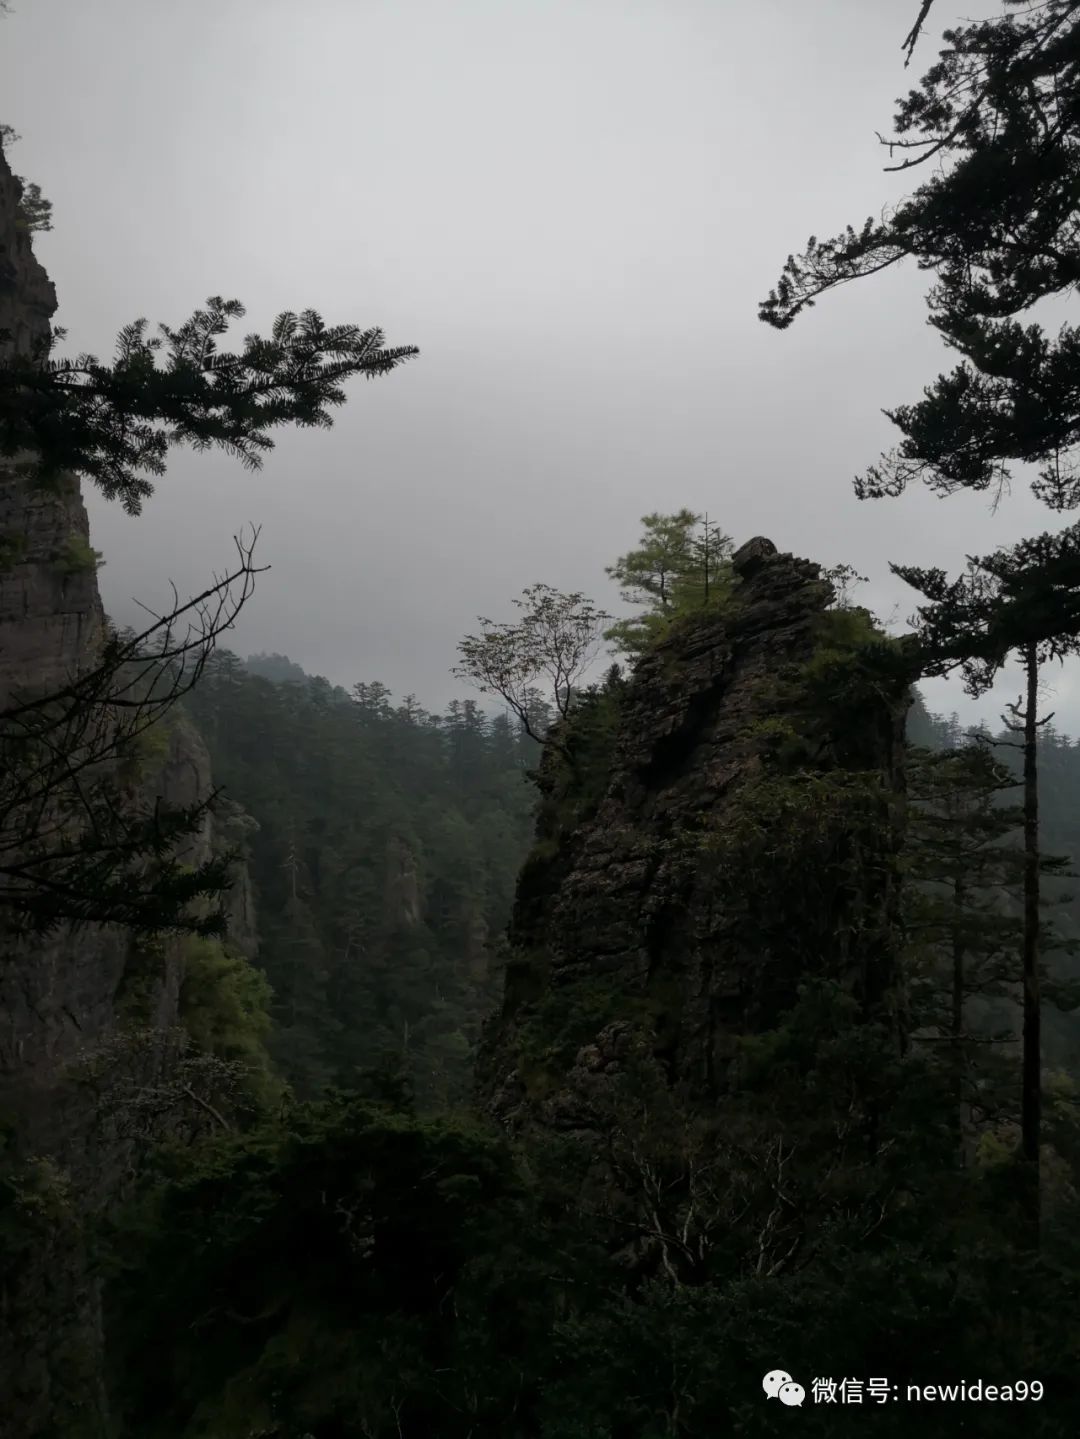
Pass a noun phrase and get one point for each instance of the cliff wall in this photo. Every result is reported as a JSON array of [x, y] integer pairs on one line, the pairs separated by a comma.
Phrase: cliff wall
[[65, 998], [738, 837]]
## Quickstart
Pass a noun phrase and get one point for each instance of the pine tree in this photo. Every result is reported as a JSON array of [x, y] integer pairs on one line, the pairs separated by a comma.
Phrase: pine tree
[[115, 424], [966, 921], [997, 117], [1004, 604], [76, 846], [681, 564], [963, 942]]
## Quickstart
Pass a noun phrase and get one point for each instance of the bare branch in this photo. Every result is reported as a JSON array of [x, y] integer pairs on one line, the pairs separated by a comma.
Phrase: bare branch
[[84, 836], [911, 39]]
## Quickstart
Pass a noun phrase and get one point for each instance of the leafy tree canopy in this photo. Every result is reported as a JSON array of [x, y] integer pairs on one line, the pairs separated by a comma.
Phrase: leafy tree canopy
[[554, 643]]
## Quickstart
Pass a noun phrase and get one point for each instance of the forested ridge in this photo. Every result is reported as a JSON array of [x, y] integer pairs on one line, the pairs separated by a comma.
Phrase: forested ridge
[[383, 856], [680, 1030]]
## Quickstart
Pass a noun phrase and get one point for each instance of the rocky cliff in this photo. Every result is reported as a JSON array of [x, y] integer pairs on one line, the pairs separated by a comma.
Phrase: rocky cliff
[[50, 613], [721, 827], [66, 998]]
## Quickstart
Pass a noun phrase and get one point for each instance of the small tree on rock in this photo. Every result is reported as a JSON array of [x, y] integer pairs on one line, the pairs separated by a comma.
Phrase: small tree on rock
[[555, 643], [681, 564]]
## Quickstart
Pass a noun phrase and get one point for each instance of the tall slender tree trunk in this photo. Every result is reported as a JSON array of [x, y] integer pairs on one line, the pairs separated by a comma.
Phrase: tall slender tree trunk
[[957, 1017], [1031, 1106], [956, 1024]]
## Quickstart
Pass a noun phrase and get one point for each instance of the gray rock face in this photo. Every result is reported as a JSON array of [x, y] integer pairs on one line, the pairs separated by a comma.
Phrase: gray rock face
[[50, 621], [55, 995], [50, 625], [748, 559], [27, 296], [61, 998]]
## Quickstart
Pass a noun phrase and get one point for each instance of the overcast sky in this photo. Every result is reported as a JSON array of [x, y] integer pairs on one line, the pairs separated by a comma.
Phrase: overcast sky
[[572, 207]]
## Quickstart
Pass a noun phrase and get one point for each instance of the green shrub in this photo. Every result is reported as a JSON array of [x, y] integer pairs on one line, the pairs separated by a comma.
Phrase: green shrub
[[225, 1008], [34, 212], [78, 557], [146, 751]]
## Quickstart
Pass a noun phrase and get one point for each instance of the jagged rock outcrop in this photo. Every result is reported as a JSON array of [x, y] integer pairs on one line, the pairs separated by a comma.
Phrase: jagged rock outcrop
[[63, 997], [749, 558], [50, 614], [646, 919]]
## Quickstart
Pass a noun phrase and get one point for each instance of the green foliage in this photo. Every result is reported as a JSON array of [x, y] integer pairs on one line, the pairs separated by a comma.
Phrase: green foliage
[[829, 709], [966, 927], [142, 980], [146, 752], [1017, 598], [278, 668], [137, 882], [846, 629], [809, 717], [78, 557], [554, 644], [34, 213], [785, 817], [36, 1199], [153, 743], [994, 221], [680, 567], [854, 664], [1058, 760], [106, 856], [829, 828], [813, 1209], [843, 578], [564, 1020], [384, 857], [116, 423], [42, 1249], [441, 1292], [578, 771], [572, 779], [384, 1322], [225, 1008]]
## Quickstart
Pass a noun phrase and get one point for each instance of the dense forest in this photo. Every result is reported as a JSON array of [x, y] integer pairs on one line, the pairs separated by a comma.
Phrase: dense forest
[[384, 843], [450, 1284], [377, 987], [383, 856], [679, 1030]]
